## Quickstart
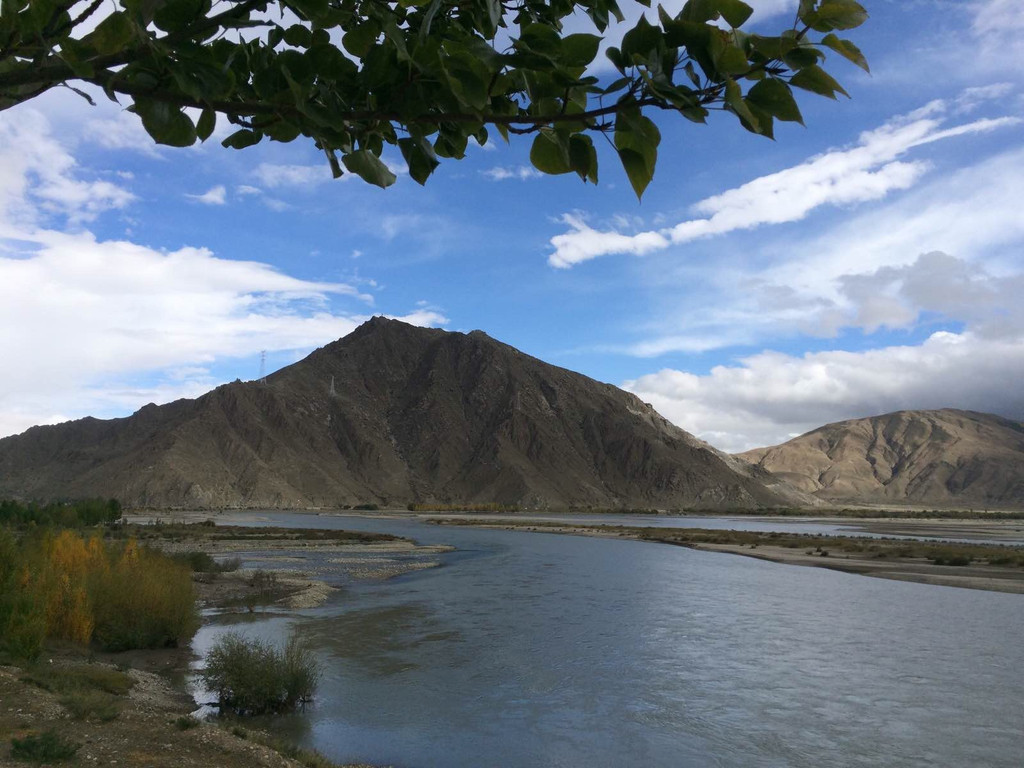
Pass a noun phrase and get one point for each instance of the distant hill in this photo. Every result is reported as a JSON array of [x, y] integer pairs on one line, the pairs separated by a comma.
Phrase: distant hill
[[416, 415], [943, 458]]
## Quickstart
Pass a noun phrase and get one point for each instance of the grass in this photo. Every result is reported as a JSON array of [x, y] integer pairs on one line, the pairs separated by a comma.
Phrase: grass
[[86, 691], [252, 677], [91, 705], [46, 747], [186, 723], [79, 677]]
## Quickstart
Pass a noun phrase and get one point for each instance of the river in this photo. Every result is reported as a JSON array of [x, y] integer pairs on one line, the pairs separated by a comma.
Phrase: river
[[532, 649]]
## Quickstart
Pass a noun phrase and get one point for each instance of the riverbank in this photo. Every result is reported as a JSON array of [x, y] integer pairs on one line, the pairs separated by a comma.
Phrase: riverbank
[[994, 567], [146, 725], [130, 708], [275, 557]]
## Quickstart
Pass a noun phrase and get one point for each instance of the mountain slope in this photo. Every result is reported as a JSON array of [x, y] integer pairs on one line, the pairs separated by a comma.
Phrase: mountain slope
[[415, 415], [944, 457]]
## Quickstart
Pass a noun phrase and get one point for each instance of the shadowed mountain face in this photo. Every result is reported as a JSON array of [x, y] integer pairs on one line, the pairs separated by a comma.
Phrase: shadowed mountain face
[[415, 415], [945, 458]]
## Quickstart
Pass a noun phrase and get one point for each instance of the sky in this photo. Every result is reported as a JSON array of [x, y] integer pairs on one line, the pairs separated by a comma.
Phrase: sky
[[870, 262]]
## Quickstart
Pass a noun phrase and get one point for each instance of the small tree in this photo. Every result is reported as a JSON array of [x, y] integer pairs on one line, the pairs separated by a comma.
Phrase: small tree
[[423, 75]]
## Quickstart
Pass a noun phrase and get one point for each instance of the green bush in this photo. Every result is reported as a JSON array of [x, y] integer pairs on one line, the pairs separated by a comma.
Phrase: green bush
[[146, 601], [91, 705], [252, 677], [47, 747], [186, 722], [203, 562]]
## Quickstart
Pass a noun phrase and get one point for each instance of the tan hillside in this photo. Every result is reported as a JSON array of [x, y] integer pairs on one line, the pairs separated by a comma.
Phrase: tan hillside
[[416, 415], [944, 458]]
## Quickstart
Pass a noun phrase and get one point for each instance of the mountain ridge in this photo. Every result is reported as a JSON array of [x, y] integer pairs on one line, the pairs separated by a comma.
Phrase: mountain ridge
[[945, 457], [416, 415]]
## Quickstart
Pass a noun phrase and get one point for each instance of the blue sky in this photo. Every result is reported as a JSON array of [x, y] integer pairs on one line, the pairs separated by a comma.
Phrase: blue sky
[[871, 261]]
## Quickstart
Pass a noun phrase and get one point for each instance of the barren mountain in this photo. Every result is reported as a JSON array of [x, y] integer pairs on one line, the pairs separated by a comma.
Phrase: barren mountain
[[392, 413], [943, 458]]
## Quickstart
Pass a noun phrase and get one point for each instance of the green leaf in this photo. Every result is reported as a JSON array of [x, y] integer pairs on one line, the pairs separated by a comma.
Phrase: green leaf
[[835, 14], [583, 157], [579, 50], [699, 10], [638, 170], [775, 98], [207, 122], [642, 40], [541, 39], [242, 139], [312, 10], [369, 168], [728, 59], [298, 36], [801, 56], [846, 49], [361, 38], [142, 10], [817, 80], [176, 15], [166, 124], [734, 98], [549, 154], [420, 158], [112, 34], [736, 12], [636, 140]]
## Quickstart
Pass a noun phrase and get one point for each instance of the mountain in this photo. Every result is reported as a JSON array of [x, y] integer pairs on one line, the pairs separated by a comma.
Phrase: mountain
[[943, 458], [392, 413]]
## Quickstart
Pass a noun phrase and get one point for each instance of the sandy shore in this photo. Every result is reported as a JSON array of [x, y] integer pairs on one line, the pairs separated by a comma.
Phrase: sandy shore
[[351, 556]]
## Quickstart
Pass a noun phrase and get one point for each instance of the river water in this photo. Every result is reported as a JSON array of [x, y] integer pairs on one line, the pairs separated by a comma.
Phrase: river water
[[532, 649]]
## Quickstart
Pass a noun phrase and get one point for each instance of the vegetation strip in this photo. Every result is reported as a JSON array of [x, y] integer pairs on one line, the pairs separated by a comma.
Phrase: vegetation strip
[[978, 566]]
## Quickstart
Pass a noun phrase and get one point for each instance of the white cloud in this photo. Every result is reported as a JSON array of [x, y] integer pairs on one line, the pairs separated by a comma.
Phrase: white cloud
[[867, 171], [215, 196], [583, 243], [246, 190], [852, 274], [998, 18], [102, 326], [770, 397], [79, 316], [40, 180], [123, 130], [518, 172], [278, 176]]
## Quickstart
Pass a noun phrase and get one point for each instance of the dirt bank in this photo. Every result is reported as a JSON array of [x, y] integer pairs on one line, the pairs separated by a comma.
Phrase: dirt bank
[[148, 726]]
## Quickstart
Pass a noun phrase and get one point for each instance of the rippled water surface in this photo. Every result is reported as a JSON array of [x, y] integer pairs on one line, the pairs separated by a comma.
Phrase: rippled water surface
[[542, 650]]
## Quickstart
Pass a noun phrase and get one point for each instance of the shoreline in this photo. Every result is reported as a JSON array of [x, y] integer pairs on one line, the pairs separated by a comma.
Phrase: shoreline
[[878, 558]]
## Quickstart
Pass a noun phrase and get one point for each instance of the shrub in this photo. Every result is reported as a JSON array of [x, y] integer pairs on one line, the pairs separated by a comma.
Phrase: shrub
[[203, 562], [252, 677], [70, 588], [186, 722], [91, 705], [47, 747], [78, 677], [959, 560], [145, 600]]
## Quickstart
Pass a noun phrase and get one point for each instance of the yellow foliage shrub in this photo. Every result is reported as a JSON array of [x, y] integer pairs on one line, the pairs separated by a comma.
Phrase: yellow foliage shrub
[[65, 587]]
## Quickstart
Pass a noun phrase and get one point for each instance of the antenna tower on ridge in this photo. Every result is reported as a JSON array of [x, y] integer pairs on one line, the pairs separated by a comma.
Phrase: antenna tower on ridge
[[263, 367]]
